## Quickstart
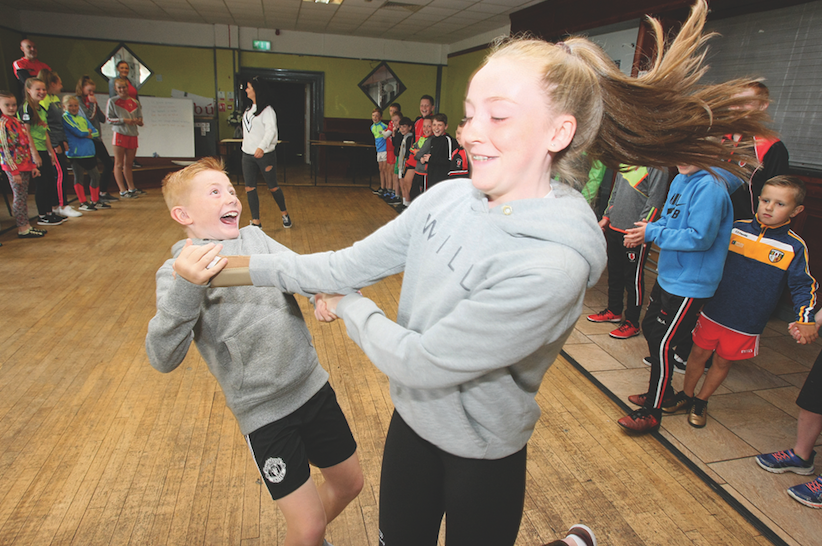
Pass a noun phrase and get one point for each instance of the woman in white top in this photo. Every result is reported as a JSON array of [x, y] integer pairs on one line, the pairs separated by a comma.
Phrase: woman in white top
[[259, 144]]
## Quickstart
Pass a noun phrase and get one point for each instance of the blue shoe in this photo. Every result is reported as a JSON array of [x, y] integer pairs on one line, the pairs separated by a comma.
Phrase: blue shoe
[[786, 461], [809, 494]]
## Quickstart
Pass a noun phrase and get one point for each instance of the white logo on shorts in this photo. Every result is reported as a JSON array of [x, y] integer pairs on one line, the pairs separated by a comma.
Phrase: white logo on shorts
[[274, 470]]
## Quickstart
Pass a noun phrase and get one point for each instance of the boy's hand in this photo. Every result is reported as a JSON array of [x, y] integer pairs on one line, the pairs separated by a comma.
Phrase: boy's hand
[[804, 333], [635, 236], [324, 307], [604, 223], [426, 158], [192, 263]]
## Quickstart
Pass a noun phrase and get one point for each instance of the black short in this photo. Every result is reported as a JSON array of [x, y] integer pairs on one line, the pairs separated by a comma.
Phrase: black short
[[810, 397], [317, 433]]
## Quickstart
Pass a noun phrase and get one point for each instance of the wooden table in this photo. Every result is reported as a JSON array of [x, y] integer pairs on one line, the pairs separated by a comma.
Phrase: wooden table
[[231, 143], [350, 145]]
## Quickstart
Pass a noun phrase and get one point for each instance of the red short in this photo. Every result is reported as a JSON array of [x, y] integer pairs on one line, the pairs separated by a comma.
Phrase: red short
[[729, 344], [125, 141]]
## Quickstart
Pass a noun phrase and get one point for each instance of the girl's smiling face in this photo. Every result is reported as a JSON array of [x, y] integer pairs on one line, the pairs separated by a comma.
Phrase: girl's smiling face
[[121, 89], [89, 89], [511, 131], [37, 91]]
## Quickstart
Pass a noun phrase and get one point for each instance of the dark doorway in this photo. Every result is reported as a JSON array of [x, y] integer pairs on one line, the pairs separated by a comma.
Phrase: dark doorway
[[289, 104], [299, 100]]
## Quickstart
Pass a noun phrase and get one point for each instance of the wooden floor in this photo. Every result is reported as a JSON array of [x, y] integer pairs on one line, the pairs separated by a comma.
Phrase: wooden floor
[[98, 448]]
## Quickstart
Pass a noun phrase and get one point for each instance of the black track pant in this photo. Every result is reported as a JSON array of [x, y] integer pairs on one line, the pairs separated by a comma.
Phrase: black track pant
[[626, 274], [482, 499], [669, 320]]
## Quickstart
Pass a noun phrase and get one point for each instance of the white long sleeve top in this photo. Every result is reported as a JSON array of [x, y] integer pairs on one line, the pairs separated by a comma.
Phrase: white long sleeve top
[[259, 131]]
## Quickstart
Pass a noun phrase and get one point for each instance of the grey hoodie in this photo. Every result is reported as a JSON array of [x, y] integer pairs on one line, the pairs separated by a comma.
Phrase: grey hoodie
[[255, 342], [488, 299]]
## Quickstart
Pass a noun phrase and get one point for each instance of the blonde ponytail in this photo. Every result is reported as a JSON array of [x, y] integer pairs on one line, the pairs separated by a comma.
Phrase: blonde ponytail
[[662, 118]]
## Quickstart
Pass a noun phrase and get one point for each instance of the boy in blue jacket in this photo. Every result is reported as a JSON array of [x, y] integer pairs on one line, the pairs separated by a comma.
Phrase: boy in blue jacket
[[764, 255], [692, 235]]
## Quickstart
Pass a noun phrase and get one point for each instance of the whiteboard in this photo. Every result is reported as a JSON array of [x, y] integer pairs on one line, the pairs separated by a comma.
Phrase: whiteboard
[[167, 131]]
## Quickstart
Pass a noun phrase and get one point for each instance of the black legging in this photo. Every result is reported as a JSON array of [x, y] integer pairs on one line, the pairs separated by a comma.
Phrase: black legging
[[481, 499], [267, 165], [108, 164], [45, 185]]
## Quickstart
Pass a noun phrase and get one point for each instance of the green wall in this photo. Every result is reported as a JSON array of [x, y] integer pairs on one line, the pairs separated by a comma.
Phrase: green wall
[[455, 83], [193, 70], [9, 52], [343, 97]]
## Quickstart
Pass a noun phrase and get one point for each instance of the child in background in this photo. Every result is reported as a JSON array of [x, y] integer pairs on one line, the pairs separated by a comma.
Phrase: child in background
[[637, 196], [394, 140], [82, 154], [764, 256], [441, 146], [460, 167], [406, 131], [799, 460], [85, 91], [378, 131], [426, 108], [125, 115], [417, 185], [54, 116], [34, 117], [692, 235], [16, 154], [259, 349]]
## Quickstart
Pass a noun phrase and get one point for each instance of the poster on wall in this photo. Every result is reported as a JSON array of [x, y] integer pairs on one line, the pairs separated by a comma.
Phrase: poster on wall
[[382, 86]]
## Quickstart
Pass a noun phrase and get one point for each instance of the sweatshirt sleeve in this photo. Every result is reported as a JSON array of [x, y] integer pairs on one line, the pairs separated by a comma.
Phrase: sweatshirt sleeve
[[480, 335], [269, 118], [171, 331], [802, 285], [379, 255], [70, 127], [657, 191], [704, 217], [424, 149], [111, 113], [441, 150]]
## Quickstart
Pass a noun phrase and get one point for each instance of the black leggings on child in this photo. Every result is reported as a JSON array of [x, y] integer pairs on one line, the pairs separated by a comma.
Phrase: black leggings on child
[[482, 499]]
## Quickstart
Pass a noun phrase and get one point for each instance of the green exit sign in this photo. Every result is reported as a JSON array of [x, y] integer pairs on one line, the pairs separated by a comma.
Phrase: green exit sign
[[262, 45]]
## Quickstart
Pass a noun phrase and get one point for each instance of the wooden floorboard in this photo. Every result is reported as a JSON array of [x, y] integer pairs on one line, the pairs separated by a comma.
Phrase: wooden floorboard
[[98, 448]]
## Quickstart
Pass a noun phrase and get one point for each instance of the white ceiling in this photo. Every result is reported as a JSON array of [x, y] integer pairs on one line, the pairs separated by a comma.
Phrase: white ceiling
[[429, 21]]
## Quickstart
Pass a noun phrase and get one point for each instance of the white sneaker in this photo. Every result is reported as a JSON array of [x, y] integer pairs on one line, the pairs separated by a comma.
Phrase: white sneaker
[[69, 212]]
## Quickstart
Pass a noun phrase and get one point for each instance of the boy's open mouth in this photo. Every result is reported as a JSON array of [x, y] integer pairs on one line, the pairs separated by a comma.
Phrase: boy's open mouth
[[230, 218]]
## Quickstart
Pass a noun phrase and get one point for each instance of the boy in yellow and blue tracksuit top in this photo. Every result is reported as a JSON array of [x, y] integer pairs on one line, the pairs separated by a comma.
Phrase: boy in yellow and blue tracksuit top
[[82, 153], [764, 256]]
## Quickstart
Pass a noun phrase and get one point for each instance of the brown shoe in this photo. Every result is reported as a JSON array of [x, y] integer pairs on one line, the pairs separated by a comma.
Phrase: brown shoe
[[698, 416]]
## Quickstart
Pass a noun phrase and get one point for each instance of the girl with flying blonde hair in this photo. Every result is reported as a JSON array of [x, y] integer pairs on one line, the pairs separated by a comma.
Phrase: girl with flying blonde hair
[[496, 267]]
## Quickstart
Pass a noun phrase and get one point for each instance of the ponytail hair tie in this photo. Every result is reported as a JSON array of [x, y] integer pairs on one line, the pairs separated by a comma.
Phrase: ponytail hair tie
[[564, 46]]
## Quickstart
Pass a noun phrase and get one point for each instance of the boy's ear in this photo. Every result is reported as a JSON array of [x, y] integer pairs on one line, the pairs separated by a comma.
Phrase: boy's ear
[[181, 216], [797, 210]]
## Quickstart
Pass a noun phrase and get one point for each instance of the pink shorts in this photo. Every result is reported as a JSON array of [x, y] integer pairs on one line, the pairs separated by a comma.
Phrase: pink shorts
[[729, 344], [125, 141]]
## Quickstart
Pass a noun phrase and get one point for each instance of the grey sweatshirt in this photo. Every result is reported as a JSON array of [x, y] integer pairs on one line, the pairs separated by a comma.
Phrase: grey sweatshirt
[[637, 195], [488, 299], [254, 341]]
